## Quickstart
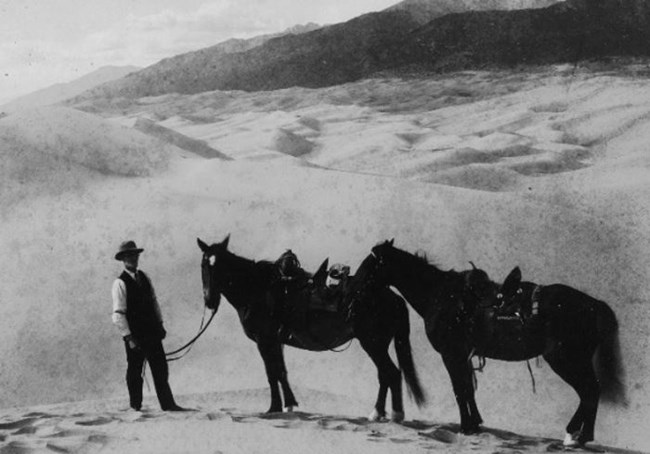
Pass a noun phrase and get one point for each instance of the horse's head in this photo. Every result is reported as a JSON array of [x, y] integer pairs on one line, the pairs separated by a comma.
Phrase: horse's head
[[213, 270], [370, 276], [384, 250], [510, 292]]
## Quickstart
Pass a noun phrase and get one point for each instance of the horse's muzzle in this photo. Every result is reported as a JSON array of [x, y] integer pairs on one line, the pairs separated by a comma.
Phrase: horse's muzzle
[[211, 299]]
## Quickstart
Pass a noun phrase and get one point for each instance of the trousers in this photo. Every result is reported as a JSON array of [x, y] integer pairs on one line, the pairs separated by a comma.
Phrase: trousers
[[152, 351]]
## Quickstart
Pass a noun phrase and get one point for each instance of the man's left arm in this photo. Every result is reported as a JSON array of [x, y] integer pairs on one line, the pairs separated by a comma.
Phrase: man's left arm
[[156, 307]]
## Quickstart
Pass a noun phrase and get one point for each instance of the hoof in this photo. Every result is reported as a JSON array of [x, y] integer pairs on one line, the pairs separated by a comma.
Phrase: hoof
[[471, 430], [397, 416], [572, 440], [376, 416], [289, 409]]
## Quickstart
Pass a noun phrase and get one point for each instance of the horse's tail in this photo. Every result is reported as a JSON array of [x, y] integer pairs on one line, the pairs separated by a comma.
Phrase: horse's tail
[[404, 355], [609, 366]]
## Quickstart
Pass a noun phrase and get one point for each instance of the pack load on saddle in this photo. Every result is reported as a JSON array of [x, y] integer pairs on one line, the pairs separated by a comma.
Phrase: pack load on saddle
[[300, 297], [289, 266], [337, 275], [328, 293]]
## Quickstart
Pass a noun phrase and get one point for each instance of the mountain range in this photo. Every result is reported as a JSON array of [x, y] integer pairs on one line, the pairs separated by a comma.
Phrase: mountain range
[[455, 35], [62, 91]]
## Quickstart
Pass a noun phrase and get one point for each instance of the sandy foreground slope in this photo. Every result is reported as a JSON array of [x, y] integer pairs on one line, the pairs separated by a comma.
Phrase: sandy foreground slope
[[548, 171]]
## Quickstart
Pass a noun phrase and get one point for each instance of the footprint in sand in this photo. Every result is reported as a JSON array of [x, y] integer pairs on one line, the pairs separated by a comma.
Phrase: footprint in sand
[[441, 435], [215, 416], [376, 436], [17, 447], [66, 433], [28, 430], [74, 441], [57, 448], [100, 421], [19, 424], [558, 446], [38, 414], [400, 440]]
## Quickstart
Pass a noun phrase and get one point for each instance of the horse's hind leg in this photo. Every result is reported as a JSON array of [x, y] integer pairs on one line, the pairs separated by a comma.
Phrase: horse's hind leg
[[475, 417], [389, 378], [271, 352], [379, 410], [577, 370], [463, 386]]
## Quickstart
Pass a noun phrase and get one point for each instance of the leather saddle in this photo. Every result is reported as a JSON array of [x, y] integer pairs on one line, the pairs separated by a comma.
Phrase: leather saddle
[[508, 330]]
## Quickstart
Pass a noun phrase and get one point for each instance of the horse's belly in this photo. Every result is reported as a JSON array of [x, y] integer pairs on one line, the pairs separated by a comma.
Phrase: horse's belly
[[323, 331], [509, 340]]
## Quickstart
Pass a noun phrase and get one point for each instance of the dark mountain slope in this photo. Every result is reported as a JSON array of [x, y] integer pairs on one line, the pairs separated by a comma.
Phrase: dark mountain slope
[[327, 56], [426, 10], [564, 32]]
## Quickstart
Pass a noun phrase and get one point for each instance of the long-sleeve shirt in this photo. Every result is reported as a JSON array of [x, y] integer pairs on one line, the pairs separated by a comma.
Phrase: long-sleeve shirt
[[119, 304]]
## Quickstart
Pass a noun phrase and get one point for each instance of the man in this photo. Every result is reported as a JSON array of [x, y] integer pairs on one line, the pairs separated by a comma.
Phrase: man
[[137, 315]]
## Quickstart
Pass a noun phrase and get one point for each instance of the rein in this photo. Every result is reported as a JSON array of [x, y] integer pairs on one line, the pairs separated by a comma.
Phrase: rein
[[189, 344]]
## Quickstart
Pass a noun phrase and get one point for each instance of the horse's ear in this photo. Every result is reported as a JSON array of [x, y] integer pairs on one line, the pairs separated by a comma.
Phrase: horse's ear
[[321, 274], [225, 241], [323, 266], [392, 240], [201, 244], [512, 281]]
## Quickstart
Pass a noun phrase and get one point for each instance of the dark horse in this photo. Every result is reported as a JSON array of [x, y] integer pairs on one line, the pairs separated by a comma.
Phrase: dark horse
[[466, 314], [249, 286]]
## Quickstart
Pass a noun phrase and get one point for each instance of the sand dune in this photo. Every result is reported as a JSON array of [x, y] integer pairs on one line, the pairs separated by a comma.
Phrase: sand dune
[[532, 124], [542, 170]]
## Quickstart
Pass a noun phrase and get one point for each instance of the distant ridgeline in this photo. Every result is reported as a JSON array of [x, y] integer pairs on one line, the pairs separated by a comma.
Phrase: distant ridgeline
[[567, 31]]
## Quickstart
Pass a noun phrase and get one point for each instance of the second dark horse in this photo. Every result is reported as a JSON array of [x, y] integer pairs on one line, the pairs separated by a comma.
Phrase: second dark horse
[[249, 286], [466, 314]]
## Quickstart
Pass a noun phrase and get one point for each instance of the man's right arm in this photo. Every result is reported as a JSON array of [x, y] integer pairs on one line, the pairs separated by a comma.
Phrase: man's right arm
[[119, 308]]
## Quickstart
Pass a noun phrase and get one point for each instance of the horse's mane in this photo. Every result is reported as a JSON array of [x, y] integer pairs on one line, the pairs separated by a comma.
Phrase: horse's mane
[[266, 269], [422, 257]]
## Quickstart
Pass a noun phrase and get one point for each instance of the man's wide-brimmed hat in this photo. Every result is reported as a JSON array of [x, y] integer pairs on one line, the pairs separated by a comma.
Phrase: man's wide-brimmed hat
[[128, 247]]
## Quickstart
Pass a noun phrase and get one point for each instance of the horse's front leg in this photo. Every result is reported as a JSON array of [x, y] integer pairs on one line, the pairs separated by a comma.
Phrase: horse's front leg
[[273, 364], [289, 399], [461, 380]]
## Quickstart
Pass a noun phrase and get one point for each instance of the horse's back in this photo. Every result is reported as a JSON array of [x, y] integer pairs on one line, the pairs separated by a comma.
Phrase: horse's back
[[571, 301], [572, 314]]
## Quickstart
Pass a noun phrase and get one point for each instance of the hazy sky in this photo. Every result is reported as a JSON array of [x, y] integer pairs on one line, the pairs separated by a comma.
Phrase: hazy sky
[[43, 42]]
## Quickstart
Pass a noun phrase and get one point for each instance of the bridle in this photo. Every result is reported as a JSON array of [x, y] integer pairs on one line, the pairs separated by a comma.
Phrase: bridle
[[202, 328]]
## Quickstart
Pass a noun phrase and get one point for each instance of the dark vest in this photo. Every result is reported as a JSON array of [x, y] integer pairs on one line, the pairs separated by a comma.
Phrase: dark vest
[[140, 310]]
